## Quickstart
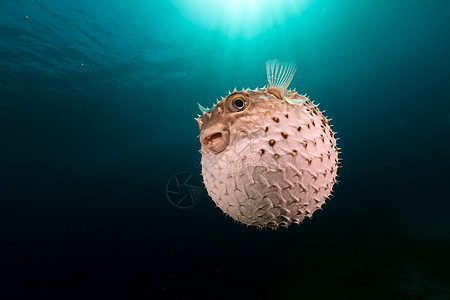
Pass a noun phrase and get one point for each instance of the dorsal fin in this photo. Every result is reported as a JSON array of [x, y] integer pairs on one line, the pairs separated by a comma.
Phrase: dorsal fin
[[280, 74]]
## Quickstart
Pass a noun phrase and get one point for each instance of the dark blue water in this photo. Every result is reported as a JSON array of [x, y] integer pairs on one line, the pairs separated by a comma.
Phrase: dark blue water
[[97, 100]]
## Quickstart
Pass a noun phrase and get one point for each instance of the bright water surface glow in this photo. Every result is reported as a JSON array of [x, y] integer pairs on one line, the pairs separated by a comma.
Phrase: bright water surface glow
[[240, 18]]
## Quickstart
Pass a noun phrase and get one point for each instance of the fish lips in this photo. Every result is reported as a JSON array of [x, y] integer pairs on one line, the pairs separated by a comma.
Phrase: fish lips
[[215, 139]]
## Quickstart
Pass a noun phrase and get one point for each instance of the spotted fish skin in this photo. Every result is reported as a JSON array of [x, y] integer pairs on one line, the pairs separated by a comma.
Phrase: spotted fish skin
[[272, 163]]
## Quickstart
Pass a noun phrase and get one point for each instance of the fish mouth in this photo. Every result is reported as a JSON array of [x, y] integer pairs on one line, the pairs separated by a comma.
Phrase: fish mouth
[[215, 141]]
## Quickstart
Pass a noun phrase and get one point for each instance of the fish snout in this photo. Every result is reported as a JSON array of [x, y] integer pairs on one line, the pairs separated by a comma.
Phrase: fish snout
[[215, 138]]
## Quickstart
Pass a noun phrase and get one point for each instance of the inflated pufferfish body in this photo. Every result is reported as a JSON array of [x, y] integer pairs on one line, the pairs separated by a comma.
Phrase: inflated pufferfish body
[[269, 156]]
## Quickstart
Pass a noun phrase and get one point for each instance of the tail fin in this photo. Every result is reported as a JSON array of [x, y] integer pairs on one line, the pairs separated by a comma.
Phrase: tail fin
[[280, 74]]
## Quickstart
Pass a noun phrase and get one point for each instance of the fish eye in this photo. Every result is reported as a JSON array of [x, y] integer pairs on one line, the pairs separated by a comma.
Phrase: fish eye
[[237, 104]]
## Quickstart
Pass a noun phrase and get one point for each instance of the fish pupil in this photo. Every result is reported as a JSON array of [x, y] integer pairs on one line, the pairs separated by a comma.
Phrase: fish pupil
[[238, 103]]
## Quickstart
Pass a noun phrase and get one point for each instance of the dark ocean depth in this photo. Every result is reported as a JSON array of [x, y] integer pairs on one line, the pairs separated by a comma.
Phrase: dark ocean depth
[[97, 107]]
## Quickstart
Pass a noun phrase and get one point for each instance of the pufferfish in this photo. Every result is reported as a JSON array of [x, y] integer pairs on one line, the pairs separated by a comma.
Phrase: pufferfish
[[269, 155]]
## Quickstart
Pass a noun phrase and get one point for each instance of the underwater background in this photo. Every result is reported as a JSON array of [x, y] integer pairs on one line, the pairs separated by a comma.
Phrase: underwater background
[[97, 107]]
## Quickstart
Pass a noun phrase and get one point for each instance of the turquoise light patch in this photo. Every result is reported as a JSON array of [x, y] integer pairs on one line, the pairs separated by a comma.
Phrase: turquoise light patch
[[240, 18]]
